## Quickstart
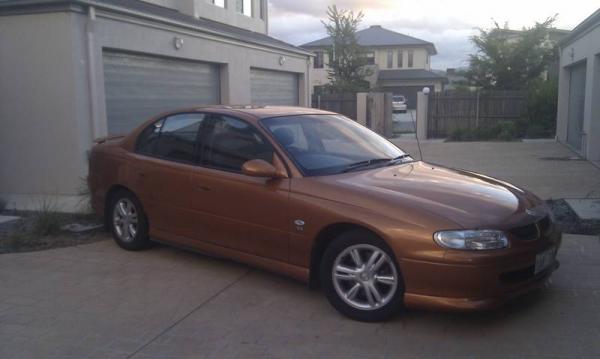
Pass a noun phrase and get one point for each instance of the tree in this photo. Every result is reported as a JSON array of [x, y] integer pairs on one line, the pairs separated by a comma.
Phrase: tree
[[347, 59], [511, 63]]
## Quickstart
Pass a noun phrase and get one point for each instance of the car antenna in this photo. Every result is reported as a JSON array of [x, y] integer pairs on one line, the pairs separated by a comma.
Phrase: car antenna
[[426, 92]]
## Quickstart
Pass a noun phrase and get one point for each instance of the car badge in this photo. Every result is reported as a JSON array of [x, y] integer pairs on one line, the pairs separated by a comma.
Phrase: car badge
[[299, 225], [531, 212]]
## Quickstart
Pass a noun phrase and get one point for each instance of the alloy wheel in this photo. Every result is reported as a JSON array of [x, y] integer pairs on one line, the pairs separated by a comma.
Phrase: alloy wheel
[[125, 220], [364, 277]]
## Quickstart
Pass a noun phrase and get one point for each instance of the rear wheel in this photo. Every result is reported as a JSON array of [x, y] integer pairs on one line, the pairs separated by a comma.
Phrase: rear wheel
[[128, 222], [360, 277]]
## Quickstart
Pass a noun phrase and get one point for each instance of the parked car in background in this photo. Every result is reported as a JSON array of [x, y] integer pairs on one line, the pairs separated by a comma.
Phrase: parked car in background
[[399, 103], [320, 198]]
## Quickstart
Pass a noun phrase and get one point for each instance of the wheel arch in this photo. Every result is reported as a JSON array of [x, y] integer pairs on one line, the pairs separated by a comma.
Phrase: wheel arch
[[324, 239], [108, 197]]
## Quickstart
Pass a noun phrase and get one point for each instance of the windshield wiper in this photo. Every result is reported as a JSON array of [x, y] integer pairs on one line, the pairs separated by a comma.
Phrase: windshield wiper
[[399, 159], [366, 163]]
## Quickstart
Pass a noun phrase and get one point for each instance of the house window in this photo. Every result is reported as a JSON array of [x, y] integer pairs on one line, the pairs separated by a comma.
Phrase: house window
[[411, 56], [219, 3], [370, 58], [400, 59], [319, 60], [390, 59], [244, 7]]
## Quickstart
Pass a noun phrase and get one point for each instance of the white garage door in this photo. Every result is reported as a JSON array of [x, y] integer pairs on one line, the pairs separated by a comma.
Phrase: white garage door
[[139, 87], [274, 88]]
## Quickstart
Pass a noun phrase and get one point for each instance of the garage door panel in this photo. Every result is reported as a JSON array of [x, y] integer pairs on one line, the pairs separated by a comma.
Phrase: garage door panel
[[576, 105], [274, 88], [139, 87]]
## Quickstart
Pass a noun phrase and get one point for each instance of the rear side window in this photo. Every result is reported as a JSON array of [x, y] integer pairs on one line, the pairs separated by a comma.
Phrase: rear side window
[[232, 142], [174, 138]]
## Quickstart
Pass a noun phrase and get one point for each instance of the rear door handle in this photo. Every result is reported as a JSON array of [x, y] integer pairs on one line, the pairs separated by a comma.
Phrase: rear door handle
[[200, 188]]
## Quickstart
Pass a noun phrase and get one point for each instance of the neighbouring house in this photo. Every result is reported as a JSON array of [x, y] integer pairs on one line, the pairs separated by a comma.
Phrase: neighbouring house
[[73, 71], [402, 63], [578, 123]]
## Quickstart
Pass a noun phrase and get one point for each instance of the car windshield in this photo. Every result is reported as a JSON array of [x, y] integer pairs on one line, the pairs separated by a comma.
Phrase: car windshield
[[331, 144], [398, 98]]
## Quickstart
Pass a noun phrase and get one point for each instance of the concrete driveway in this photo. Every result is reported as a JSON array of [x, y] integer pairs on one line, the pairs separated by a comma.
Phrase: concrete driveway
[[98, 301], [546, 167]]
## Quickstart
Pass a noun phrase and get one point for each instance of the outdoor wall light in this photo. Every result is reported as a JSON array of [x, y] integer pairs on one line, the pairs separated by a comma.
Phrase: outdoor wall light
[[426, 90], [177, 43], [282, 60]]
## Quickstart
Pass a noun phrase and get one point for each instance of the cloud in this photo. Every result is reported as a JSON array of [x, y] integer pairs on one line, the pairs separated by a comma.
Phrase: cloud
[[449, 25]]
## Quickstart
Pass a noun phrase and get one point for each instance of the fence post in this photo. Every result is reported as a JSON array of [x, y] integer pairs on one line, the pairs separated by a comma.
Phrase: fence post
[[422, 108], [361, 108], [378, 113], [388, 114]]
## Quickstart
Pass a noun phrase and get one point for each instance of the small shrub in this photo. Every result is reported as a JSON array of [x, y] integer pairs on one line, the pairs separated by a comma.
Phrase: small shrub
[[505, 131], [542, 102], [46, 220], [85, 195]]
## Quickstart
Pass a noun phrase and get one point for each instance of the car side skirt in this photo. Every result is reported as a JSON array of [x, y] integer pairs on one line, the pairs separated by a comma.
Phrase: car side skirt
[[289, 270]]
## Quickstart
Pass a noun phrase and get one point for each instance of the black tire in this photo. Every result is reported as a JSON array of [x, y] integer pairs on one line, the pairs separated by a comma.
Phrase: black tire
[[363, 240], [135, 242]]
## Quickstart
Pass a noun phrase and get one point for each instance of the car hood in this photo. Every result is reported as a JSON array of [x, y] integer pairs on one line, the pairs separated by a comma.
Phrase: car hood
[[468, 199]]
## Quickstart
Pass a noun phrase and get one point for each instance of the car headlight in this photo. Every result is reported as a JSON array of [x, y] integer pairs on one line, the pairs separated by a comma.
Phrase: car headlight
[[475, 240]]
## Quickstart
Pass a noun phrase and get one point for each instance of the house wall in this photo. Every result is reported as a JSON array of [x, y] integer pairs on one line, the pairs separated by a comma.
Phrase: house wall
[[420, 57], [52, 107], [586, 49], [38, 108], [227, 14]]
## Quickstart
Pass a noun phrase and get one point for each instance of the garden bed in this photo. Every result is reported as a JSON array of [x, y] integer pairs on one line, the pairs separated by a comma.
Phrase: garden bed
[[36, 231]]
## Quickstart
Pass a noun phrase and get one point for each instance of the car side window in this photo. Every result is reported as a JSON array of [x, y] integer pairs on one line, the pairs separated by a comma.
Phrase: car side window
[[173, 138], [148, 139], [231, 142]]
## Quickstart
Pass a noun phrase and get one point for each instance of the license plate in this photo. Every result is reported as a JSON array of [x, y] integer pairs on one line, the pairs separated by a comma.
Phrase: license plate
[[544, 260]]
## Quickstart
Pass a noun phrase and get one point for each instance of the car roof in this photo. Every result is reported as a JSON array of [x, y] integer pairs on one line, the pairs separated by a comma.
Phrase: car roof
[[260, 112]]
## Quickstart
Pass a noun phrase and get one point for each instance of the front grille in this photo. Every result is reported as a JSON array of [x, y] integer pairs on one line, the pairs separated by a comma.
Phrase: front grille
[[533, 230]]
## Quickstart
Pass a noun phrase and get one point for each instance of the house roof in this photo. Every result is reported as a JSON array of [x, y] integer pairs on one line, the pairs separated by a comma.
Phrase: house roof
[[412, 74], [157, 13], [592, 21], [377, 36]]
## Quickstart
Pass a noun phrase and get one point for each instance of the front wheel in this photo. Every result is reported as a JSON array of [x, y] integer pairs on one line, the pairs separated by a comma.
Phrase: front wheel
[[361, 278], [128, 222]]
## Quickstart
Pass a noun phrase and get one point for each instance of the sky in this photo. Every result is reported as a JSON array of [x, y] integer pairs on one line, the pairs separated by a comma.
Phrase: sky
[[448, 24]]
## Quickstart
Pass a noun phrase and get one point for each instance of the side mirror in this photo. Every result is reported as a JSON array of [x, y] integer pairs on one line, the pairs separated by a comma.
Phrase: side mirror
[[261, 168]]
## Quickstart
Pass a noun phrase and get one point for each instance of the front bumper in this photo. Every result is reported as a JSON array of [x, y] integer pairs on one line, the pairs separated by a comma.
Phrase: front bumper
[[479, 285]]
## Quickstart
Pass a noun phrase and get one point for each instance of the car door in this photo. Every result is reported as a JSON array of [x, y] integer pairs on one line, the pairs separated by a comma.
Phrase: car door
[[166, 155], [234, 210]]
